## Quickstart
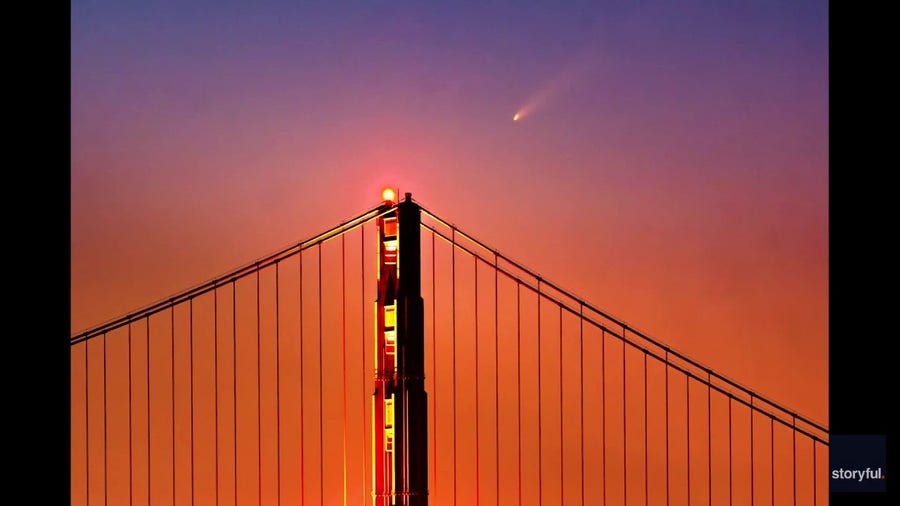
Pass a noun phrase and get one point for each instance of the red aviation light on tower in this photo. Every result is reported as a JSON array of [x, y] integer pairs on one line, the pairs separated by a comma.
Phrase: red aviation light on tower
[[389, 196]]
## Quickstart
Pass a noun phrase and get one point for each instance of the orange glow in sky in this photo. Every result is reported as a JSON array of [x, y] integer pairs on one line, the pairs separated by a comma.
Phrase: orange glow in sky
[[678, 187]]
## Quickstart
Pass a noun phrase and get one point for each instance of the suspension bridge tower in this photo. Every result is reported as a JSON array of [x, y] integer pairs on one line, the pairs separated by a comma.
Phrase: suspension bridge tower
[[399, 409]]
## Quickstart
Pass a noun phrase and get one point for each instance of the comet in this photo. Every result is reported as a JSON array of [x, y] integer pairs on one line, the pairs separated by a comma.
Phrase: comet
[[563, 82]]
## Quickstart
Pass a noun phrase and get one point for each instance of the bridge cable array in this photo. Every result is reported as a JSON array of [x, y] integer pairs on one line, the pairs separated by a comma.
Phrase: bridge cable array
[[648, 441]]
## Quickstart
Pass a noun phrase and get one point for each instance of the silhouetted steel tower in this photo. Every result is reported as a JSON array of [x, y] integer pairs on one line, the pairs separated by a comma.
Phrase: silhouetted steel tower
[[399, 409]]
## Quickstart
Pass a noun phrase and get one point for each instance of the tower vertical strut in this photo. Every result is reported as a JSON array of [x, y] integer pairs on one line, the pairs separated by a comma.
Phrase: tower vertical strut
[[399, 402]]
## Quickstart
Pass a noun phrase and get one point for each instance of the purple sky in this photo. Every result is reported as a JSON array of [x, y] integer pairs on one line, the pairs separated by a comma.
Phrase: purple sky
[[674, 171]]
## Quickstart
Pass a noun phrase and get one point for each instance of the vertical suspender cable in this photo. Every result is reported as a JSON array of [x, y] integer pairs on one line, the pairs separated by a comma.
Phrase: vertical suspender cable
[[258, 395], [624, 429], [581, 390], [216, 376], [87, 432], [453, 326], [191, 356], [519, 387], [277, 387], [477, 442], [668, 489], [793, 454], [344, 361], [362, 355], [321, 436], [302, 433], [105, 437], [562, 487], [815, 465], [496, 382], [646, 438], [752, 485], [130, 409], [148, 411], [234, 377], [603, 400], [540, 434], [434, 366], [172, 346], [730, 443], [687, 388], [258, 398], [300, 317]]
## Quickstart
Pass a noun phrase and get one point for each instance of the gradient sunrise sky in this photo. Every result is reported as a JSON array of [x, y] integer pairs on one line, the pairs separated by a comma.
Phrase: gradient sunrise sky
[[669, 164]]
